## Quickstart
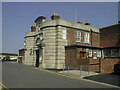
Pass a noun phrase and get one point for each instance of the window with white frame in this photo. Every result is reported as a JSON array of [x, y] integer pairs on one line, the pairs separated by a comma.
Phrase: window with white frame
[[90, 53], [64, 33], [86, 37], [98, 53], [94, 55], [78, 36]]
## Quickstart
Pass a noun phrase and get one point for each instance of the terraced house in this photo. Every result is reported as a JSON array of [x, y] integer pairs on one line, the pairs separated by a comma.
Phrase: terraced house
[[57, 42]]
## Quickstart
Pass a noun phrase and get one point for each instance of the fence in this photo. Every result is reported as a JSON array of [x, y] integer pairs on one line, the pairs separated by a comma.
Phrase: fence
[[78, 70]]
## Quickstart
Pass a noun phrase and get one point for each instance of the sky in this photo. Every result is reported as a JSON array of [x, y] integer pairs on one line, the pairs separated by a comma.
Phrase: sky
[[17, 17]]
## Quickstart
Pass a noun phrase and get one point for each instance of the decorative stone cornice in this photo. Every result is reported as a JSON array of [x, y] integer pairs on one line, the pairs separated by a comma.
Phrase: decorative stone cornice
[[70, 24]]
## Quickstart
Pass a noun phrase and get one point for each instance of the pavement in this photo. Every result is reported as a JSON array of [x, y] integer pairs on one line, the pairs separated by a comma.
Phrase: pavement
[[22, 76], [78, 73], [112, 78]]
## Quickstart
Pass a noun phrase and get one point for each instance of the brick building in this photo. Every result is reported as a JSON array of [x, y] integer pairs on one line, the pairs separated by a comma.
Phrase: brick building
[[21, 55], [110, 40], [54, 43], [110, 43], [45, 44]]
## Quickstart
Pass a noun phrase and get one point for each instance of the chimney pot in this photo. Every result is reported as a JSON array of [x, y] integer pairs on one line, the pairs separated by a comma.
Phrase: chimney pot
[[33, 28], [55, 16], [87, 22]]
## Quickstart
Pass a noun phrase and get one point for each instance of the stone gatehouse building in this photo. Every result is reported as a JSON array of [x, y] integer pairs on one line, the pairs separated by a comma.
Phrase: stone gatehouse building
[[45, 44], [54, 43]]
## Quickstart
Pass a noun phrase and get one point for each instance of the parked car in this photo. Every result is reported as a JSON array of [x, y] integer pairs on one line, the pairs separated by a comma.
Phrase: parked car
[[117, 68]]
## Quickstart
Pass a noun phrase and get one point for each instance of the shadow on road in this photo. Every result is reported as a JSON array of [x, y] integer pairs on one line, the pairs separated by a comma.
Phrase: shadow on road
[[112, 78]]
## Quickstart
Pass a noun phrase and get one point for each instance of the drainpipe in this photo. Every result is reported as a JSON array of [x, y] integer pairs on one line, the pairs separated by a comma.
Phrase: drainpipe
[[91, 36]]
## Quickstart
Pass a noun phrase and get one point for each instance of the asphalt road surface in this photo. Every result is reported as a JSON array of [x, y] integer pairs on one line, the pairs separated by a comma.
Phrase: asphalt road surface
[[21, 76]]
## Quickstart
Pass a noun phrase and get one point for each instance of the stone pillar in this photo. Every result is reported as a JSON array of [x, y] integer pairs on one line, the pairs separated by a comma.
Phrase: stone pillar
[[29, 49]]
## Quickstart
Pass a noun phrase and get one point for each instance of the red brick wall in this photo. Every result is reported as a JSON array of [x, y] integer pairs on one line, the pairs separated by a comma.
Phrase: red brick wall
[[110, 36], [71, 38], [107, 65], [95, 39], [71, 56], [21, 52]]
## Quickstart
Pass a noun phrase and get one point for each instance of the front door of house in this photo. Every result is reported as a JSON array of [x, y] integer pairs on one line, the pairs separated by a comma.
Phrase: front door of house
[[37, 58]]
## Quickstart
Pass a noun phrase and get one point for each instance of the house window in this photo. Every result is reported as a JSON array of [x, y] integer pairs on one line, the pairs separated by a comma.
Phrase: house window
[[113, 52], [98, 53], [106, 52], [90, 53], [95, 55], [78, 36], [64, 33], [86, 37]]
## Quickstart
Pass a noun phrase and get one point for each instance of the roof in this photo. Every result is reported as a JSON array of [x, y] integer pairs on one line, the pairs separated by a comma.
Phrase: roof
[[110, 26], [70, 24], [93, 47], [10, 54], [83, 46]]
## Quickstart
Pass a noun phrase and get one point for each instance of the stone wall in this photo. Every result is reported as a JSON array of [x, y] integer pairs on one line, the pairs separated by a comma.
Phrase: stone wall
[[54, 51], [29, 49]]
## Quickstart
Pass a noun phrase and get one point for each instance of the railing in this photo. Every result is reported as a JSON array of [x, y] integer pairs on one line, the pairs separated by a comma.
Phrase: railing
[[78, 70]]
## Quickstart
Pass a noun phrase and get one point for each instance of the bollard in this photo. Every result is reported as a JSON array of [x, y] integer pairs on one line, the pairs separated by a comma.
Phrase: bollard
[[81, 70], [88, 70], [63, 68], [68, 69]]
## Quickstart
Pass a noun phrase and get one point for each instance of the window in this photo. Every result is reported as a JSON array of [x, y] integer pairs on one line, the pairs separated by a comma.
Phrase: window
[[113, 52], [106, 52], [86, 37], [98, 53], [64, 34], [95, 55], [90, 53], [78, 36]]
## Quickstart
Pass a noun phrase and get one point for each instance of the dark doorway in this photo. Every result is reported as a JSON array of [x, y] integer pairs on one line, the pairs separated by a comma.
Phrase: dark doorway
[[37, 58]]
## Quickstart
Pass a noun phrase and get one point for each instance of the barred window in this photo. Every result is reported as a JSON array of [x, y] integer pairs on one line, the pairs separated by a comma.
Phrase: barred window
[[86, 37], [78, 36]]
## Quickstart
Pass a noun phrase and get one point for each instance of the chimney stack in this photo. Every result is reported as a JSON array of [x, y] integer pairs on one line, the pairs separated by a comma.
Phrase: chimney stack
[[55, 16], [87, 22], [79, 21], [33, 28], [40, 19]]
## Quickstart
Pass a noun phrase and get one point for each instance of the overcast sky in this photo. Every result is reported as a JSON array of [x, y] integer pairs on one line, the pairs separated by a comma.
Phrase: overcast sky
[[17, 18]]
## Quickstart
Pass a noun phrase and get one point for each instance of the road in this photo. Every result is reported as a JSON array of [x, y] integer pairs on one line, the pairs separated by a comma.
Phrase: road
[[21, 76]]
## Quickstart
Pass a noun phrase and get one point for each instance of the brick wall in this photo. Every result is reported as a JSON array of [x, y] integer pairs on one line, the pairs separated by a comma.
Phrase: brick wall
[[71, 37], [71, 56], [110, 36], [107, 65], [95, 39], [21, 52]]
